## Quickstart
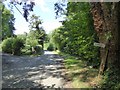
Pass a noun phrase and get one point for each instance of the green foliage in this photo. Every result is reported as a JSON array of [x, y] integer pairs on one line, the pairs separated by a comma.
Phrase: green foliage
[[78, 73], [32, 45], [35, 21], [38, 49], [77, 35], [26, 50], [22, 36], [46, 45], [47, 39], [12, 45], [32, 42], [33, 38], [7, 45], [111, 79], [7, 25], [108, 36], [50, 47], [36, 31], [17, 45]]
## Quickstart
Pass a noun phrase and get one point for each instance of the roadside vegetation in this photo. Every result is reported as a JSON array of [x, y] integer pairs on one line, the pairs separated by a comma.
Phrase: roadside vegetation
[[87, 65], [79, 73], [31, 43], [76, 39]]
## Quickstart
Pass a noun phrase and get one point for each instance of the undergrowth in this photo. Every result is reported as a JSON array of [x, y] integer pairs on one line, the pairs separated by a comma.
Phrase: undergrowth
[[80, 75], [111, 79]]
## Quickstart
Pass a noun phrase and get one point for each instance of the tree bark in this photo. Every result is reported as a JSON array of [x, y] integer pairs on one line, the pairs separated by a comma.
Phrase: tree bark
[[106, 23]]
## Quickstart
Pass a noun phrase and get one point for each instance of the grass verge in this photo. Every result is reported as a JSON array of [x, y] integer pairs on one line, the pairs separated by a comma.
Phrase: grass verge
[[79, 74]]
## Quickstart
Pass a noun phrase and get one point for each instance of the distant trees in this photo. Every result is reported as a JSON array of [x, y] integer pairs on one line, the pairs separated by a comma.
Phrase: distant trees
[[35, 37], [36, 32]]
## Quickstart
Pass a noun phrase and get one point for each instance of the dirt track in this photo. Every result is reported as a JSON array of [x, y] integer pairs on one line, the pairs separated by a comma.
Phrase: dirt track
[[32, 72]]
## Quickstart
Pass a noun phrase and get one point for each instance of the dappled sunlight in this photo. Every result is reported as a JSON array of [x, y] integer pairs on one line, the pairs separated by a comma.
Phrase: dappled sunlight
[[48, 52], [52, 43], [49, 76], [80, 84], [34, 71], [80, 75], [84, 76], [50, 81]]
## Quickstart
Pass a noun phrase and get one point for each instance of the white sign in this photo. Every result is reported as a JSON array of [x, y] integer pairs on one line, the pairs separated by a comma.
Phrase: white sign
[[99, 45]]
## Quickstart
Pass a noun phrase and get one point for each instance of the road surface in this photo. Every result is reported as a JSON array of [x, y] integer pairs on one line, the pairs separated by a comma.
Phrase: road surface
[[32, 72]]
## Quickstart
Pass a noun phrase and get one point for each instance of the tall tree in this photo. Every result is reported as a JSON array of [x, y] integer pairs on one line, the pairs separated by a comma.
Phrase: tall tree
[[8, 21], [106, 23], [39, 32]]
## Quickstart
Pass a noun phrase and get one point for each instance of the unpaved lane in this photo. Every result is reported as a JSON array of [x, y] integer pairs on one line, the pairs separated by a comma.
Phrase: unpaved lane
[[32, 72]]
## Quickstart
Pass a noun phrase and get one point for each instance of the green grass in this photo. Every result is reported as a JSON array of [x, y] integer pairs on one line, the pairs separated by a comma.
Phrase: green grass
[[81, 75], [79, 84]]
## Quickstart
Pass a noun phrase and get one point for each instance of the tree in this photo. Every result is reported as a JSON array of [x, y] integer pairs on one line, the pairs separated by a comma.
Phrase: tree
[[106, 23], [77, 35], [27, 6], [38, 32], [8, 21], [58, 39]]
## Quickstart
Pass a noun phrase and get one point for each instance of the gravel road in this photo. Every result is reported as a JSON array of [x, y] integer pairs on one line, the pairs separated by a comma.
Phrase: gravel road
[[32, 72]]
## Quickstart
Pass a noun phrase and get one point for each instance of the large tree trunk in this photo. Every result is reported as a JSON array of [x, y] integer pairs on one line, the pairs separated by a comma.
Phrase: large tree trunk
[[106, 23]]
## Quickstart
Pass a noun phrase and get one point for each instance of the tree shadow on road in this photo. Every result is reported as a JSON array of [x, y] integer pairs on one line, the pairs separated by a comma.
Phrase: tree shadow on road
[[27, 72]]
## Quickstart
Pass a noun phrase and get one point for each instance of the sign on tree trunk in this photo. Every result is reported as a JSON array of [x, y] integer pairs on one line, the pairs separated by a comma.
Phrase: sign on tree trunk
[[99, 45]]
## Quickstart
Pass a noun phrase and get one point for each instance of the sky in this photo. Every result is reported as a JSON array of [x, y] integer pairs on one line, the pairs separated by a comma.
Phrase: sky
[[44, 9]]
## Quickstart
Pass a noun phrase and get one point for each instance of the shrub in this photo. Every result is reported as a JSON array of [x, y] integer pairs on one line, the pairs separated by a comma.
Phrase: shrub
[[38, 49], [17, 45], [33, 45], [26, 50], [111, 78], [32, 42], [50, 47], [12, 45], [27, 47], [7, 45]]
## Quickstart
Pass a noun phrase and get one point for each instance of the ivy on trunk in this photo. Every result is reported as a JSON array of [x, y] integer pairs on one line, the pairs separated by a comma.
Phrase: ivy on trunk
[[106, 23]]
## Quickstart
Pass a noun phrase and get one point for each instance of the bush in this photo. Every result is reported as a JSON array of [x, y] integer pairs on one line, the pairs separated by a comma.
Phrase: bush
[[50, 47], [38, 49], [12, 45], [7, 45], [27, 47], [32, 42], [33, 45], [26, 50], [17, 45], [111, 78]]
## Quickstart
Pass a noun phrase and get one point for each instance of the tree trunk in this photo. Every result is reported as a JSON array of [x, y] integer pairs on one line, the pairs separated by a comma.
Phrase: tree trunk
[[106, 23]]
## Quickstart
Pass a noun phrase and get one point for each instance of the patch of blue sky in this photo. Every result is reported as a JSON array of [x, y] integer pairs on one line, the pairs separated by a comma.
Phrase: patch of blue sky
[[44, 9]]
